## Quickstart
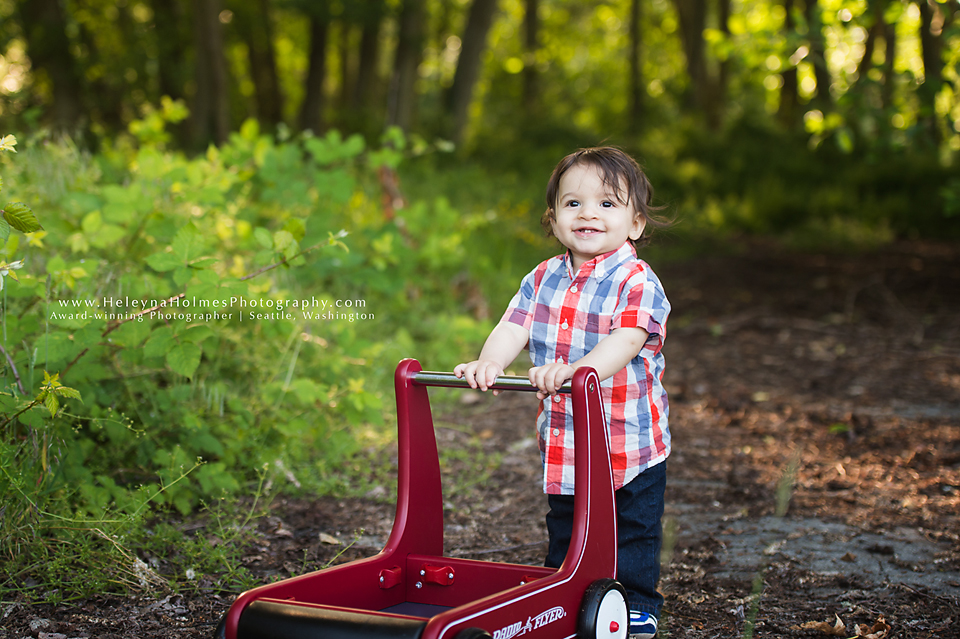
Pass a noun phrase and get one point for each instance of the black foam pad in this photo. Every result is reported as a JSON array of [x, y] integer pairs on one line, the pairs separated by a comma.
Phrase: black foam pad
[[276, 620]]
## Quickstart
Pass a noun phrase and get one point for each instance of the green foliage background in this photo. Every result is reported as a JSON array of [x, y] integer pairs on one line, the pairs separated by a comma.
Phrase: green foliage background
[[181, 411]]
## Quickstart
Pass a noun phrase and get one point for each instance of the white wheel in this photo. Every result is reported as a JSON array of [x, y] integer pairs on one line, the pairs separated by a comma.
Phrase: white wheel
[[613, 618], [604, 614]]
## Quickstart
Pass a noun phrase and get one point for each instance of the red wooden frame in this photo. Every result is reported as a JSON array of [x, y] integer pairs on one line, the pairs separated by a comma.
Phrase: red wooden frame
[[506, 600]]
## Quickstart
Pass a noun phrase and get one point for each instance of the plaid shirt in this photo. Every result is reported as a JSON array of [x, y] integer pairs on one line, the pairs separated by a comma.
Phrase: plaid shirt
[[567, 315]]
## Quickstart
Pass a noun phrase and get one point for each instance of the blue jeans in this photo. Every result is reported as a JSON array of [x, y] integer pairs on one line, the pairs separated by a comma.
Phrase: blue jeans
[[639, 536]]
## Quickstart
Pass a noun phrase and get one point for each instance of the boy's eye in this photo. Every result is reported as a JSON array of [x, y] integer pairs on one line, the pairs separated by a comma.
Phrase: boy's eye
[[573, 203], [607, 204]]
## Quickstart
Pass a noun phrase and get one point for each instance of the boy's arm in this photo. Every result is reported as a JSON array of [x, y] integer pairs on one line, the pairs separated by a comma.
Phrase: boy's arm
[[503, 345], [608, 357]]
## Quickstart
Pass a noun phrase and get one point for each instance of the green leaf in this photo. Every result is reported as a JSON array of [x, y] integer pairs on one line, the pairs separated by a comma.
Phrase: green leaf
[[196, 334], [159, 342], [163, 262], [188, 243], [108, 235], [282, 240], [4, 230], [182, 275], [92, 222], [211, 278], [72, 393], [263, 237], [50, 401], [20, 217], [292, 250], [296, 227], [56, 264], [184, 359], [203, 262]]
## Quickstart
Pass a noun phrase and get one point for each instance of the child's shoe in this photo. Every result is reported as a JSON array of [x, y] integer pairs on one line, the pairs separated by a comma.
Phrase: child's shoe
[[643, 625]]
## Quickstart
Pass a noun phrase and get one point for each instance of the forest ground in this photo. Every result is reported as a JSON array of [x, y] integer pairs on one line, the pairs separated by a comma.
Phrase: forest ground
[[815, 476]]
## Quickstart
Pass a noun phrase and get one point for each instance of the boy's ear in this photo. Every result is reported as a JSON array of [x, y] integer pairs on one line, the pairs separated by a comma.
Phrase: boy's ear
[[636, 231]]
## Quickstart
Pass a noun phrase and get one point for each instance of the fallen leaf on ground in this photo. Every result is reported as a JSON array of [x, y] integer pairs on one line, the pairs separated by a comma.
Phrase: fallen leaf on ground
[[878, 630], [838, 629], [329, 539]]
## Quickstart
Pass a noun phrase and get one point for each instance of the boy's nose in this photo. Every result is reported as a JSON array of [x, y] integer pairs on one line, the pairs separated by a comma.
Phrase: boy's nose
[[589, 211]]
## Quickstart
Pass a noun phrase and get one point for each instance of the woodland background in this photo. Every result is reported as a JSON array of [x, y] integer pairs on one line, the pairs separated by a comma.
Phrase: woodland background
[[390, 155]]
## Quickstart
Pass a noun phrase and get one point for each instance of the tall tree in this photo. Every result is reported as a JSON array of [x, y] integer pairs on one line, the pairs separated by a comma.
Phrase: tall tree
[[706, 90], [345, 54], [692, 16], [401, 101], [210, 112], [789, 108], [474, 41], [254, 24], [44, 29], [365, 88], [635, 34], [818, 54], [168, 20], [719, 95], [934, 18], [311, 110], [889, 58], [531, 43]]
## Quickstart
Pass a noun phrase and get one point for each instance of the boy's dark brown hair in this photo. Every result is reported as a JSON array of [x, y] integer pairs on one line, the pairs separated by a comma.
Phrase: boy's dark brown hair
[[617, 170]]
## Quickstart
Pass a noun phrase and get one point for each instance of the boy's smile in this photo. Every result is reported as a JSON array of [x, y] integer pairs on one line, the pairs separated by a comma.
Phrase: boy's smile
[[589, 218]]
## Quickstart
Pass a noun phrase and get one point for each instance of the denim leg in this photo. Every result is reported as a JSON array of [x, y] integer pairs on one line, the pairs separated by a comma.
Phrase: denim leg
[[639, 536]]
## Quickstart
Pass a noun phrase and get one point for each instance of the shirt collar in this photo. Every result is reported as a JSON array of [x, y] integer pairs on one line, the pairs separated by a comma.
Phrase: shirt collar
[[602, 265]]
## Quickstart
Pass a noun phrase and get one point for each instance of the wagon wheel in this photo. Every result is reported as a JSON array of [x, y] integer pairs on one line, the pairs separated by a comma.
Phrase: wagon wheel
[[604, 613], [221, 631], [473, 633]]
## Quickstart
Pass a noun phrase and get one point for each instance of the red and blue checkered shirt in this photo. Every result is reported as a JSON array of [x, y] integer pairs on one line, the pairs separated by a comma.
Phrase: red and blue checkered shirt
[[567, 315]]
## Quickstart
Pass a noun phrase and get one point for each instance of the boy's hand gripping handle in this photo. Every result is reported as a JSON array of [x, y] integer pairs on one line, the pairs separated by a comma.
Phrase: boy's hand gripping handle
[[504, 382]]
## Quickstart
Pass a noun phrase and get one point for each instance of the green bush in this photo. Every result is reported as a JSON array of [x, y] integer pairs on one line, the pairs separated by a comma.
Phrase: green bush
[[210, 317]]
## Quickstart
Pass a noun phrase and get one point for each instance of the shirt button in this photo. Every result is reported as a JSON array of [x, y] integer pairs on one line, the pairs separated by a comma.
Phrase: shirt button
[[557, 399], [573, 289], [556, 432], [564, 326]]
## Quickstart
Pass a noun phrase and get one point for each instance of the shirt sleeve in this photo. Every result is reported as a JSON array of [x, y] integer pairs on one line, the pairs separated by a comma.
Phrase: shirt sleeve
[[643, 304], [520, 309]]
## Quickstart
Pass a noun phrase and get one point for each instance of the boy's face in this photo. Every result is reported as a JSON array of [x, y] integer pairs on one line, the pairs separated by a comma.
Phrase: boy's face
[[589, 219]]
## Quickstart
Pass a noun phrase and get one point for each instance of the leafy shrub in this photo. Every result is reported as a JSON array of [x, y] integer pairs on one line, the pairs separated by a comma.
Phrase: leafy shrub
[[218, 315]]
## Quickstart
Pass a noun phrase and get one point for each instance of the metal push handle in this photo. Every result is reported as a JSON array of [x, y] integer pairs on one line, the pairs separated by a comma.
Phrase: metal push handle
[[504, 382]]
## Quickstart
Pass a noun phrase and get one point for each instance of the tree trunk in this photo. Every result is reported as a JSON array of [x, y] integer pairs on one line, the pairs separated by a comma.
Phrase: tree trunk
[[401, 102], [788, 111], [932, 22], [869, 46], [692, 17], [311, 111], [636, 67], [715, 84], [253, 22], [365, 92], [44, 28], [889, 57], [531, 43], [346, 71], [474, 42], [168, 21], [818, 55], [211, 108]]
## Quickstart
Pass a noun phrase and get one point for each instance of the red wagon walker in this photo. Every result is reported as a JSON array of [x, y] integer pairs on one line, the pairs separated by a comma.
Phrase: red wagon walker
[[411, 591]]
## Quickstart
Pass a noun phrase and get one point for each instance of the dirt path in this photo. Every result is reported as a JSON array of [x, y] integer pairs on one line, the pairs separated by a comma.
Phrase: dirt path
[[815, 407]]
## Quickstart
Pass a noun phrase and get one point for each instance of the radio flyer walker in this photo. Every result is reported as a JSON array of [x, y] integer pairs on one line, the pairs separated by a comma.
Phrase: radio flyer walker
[[411, 591]]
